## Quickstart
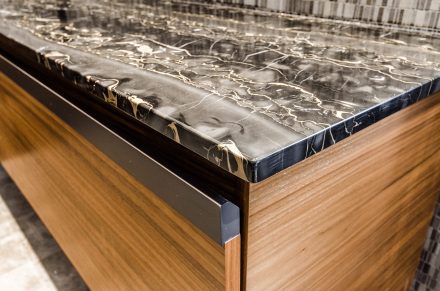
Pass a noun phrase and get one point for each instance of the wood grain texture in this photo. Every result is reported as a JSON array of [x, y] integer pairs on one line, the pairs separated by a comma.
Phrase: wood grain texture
[[117, 233], [232, 266], [353, 217]]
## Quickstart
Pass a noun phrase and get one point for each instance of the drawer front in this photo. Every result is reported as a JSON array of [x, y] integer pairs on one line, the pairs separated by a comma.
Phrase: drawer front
[[117, 232]]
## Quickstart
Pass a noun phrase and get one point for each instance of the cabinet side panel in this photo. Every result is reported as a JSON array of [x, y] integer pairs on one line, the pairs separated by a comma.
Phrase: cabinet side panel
[[354, 216], [117, 233]]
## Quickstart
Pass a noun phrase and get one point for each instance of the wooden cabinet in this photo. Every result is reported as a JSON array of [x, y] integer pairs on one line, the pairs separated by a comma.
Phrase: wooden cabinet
[[352, 217], [117, 233]]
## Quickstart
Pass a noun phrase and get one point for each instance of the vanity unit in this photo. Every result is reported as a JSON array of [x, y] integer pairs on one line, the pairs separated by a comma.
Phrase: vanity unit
[[190, 146]]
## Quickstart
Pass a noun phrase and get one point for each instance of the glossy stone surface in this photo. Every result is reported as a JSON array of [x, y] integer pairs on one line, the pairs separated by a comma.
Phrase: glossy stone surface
[[254, 92]]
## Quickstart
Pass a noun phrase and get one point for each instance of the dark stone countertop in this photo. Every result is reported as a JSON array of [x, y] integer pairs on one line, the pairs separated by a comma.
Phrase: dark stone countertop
[[252, 91]]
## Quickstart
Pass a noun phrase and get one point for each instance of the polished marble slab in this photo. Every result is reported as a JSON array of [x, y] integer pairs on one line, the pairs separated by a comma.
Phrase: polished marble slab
[[252, 91]]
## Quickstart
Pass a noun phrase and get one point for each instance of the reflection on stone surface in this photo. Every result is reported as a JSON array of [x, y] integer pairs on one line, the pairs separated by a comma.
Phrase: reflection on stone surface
[[252, 91]]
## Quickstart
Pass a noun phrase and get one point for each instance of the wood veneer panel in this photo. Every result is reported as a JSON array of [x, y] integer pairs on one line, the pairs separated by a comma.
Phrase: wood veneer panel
[[353, 217], [117, 233], [232, 267]]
